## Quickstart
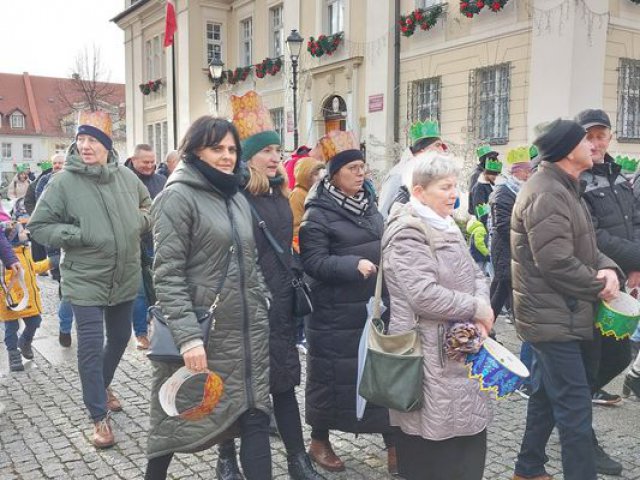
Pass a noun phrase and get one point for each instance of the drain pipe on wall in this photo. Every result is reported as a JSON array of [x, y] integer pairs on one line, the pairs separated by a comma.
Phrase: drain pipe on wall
[[396, 72]]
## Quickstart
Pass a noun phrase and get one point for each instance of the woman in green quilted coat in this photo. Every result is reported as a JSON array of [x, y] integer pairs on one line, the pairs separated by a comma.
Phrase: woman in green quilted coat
[[199, 220]]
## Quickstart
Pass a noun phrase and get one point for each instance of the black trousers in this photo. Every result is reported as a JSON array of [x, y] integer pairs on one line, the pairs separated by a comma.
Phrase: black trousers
[[500, 294], [323, 434], [605, 358], [255, 451], [459, 458]]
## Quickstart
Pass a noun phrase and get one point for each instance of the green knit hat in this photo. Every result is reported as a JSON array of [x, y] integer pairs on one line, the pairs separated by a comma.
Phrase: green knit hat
[[253, 144]]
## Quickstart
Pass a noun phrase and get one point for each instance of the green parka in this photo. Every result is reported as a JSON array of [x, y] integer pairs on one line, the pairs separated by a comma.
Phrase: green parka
[[96, 214], [192, 238]]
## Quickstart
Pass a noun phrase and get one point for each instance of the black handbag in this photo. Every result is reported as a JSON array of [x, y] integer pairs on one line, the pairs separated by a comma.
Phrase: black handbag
[[162, 346], [302, 305]]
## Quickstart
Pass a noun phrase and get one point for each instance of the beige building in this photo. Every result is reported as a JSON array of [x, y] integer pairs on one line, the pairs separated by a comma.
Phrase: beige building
[[492, 77]]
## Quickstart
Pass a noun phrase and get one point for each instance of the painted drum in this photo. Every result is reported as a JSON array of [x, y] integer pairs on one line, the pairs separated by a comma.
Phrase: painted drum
[[496, 369], [212, 390], [619, 317]]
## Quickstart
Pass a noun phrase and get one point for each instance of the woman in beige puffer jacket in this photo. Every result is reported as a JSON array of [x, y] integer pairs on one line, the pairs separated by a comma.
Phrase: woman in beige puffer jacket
[[433, 280]]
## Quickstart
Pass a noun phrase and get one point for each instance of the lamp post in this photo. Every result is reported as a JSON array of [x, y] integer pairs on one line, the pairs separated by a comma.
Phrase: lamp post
[[294, 44], [215, 69]]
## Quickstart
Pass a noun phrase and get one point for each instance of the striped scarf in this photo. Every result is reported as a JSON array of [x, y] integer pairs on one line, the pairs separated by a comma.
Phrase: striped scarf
[[357, 204]]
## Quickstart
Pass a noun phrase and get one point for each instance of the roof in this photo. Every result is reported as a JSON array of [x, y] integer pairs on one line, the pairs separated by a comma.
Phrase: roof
[[133, 7], [43, 101]]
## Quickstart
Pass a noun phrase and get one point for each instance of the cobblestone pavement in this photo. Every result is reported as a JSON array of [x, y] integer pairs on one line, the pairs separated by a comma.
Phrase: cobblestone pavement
[[44, 431]]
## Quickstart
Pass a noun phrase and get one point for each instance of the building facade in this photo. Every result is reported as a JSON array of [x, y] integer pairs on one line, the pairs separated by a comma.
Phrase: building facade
[[487, 76]]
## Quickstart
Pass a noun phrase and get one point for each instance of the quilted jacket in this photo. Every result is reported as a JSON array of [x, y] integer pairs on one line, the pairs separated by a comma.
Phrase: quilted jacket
[[434, 281], [192, 240]]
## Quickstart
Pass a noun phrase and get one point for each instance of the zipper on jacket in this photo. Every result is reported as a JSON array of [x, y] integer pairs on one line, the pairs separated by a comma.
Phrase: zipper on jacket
[[115, 255], [245, 314], [441, 344]]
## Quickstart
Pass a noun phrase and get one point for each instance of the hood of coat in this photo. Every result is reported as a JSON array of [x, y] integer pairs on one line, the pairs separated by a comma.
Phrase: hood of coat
[[304, 171], [99, 173]]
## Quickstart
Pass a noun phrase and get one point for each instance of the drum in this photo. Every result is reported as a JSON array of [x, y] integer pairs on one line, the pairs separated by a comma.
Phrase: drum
[[496, 368], [618, 318]]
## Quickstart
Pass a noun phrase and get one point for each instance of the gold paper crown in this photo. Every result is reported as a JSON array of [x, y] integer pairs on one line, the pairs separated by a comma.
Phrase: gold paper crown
[[335, 142], [99, 120], [420, 130], [519, 155], [250, 116]]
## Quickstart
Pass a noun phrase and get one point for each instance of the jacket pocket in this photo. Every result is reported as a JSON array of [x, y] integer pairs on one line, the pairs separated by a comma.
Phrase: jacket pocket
[[572, 305]]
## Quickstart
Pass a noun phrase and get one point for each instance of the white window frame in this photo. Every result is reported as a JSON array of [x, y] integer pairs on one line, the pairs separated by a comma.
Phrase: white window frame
[[17, 120], [157, 138], [60, 148], [276, 31], [155, 58], [426, 99], [424, 4], [277, 117], [213, 45], [335, 16], [491, 103], [246, 42], [6, 150], [27, 151], [629, 101]]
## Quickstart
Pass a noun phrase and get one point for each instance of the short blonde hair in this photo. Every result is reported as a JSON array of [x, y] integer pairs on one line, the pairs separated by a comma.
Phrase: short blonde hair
[[428, 167]]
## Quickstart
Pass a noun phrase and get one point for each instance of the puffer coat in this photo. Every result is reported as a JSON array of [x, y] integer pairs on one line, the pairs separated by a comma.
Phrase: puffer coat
[[501, 202], [433, 280], [192, 239], [274, 210], [332, 242]]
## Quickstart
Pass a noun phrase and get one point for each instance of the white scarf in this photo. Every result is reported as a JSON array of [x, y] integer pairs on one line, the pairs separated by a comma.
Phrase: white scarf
[[432, 218]]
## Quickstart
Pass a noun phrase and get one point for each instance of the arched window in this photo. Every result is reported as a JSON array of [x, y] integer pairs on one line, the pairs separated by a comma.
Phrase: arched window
[[17, 120]]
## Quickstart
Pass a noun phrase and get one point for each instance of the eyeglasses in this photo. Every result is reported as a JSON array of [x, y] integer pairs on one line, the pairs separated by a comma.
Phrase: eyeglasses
[[357, 168]]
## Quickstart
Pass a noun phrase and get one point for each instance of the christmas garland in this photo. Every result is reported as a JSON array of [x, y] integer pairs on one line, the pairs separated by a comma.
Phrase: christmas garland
[[150, 86], [325, 44], [426, 18], [240, 74], [269, 66], [470, 8]]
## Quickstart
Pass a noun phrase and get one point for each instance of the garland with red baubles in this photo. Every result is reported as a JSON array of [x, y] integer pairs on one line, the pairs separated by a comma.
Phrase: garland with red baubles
[[425, 18], [471, 8], [324, 44]]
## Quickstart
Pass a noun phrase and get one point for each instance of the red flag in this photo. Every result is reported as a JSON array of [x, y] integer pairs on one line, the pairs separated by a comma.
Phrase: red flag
[[171, 25]]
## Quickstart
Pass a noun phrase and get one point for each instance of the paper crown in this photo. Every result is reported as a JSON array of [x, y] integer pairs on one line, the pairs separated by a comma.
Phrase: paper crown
[[533, 151], [22, 167], [493, 165], [518, 155], [250, 116], [333, 143], [99, 120], [427, 129], [485, 150], [628, 165], [46, 165]]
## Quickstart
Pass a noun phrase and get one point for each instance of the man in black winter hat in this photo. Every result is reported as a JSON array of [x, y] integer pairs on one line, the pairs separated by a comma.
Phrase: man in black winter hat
[[558, 276]]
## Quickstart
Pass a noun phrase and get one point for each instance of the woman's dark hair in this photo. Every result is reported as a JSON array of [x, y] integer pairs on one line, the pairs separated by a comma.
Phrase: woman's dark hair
[[207, 131], [422, 144]]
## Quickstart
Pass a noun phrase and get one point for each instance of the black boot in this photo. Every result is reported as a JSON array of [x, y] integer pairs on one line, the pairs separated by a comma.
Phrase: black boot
[[25, 349], [227, 466], [605, 464], [631, 385], [15, 361], [301, 468]]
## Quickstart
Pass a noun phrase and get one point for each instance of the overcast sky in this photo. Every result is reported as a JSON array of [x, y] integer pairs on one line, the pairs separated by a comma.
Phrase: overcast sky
[[42, 37]]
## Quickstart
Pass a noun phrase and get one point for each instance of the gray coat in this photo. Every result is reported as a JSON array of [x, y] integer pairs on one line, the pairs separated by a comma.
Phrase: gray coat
[[434, 288], [192, 236]]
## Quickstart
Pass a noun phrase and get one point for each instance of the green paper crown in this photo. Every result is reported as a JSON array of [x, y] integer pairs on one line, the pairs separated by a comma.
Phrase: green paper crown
[[533, 152], [482, 210], [46, 165], [493, 165], [628, 165], [483, 150], [518, 155], [22, 168], [427, 129]]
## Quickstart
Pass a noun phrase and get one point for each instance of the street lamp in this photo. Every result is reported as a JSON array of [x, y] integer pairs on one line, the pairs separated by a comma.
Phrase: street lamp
[[294, 44], [215, 69]]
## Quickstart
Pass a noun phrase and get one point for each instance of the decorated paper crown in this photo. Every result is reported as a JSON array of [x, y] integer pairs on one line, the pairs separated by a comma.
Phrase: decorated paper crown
[[335, 142], [427, 129], [99, 120], [533, 151], [23, 167], [493, 165], [46, 165], [485, 150], [628, 165], [518, 155], [250, 116]]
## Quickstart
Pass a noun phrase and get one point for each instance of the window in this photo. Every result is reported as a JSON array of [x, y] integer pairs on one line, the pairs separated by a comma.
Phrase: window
[[489, 103], [427, 3], [246, 42], [157, 138], [27, 150], [214, 41], [629, 100], [335, 16], [6, 151], [17, 120], [60, 148], [155, 58], [424, 98], [277, 31], [277, 116]]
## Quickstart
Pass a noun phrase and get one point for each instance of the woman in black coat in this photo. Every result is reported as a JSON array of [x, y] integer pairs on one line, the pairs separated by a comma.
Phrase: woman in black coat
[[340, 247]]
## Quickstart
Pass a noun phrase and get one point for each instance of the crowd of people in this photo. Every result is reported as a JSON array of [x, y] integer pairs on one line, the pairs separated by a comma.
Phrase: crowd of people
[[224, 228]]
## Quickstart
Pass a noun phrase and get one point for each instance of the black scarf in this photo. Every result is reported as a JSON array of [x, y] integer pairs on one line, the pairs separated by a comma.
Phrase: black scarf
[[227, 185]]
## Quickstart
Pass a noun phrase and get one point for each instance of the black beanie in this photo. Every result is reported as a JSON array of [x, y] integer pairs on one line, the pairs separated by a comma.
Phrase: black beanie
[[341, 159], [559, 139]]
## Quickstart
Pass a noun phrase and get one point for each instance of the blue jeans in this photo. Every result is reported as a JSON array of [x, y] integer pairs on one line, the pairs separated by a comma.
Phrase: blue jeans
[[65, 314], [140, 308], [97, 359], [11, 328], [561, 397], [526, 357]]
